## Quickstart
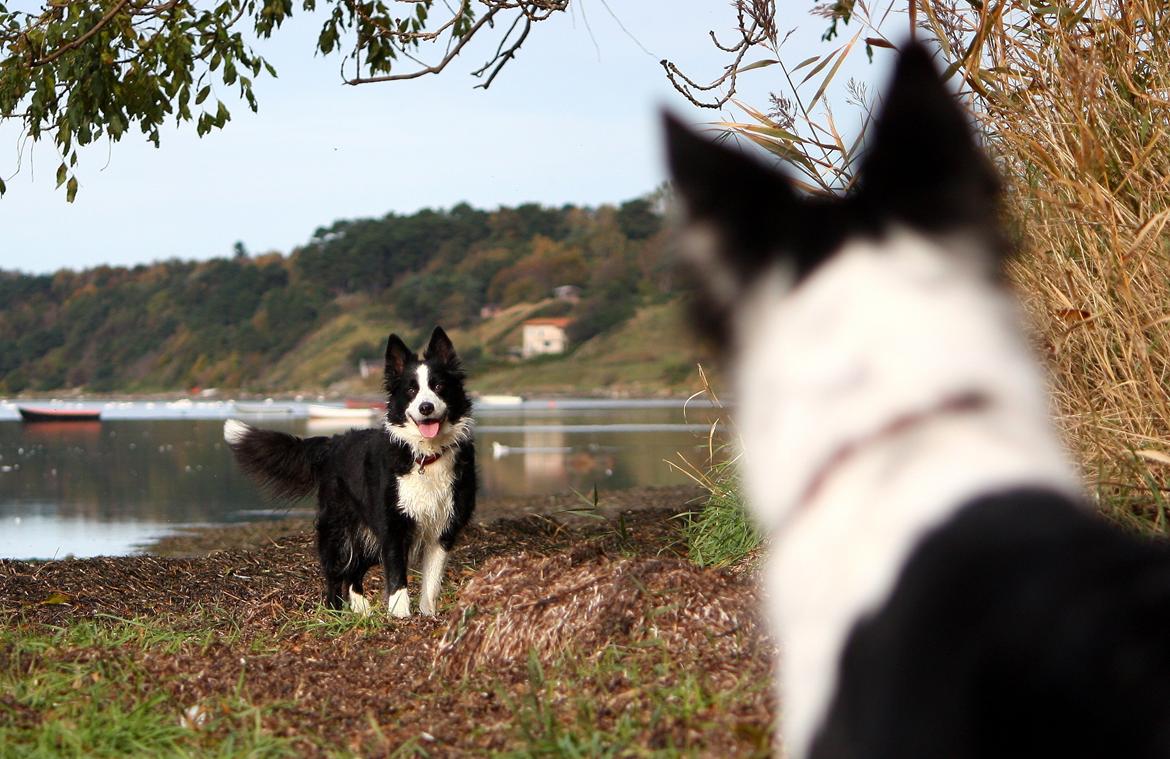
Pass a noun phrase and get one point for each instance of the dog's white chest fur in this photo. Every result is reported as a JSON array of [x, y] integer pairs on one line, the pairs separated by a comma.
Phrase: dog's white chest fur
[[881, 332], [428, 497]]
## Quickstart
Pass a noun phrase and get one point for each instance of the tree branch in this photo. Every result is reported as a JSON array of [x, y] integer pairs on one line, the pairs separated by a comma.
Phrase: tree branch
[[506, 55], [436, 68], [74, 44]]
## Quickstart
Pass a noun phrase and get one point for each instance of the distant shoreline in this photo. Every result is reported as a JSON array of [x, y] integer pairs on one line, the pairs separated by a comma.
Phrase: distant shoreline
[[300, 396]]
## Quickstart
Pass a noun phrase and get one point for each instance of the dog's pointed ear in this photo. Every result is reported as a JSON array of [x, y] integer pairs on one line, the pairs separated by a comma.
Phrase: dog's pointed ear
[[734, 207], [397, 355], [440, 348], [735, 213], [923, 166]]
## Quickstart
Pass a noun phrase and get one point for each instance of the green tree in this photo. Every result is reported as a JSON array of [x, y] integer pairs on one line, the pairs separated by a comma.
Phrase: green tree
[[84, 70], [638, 220]]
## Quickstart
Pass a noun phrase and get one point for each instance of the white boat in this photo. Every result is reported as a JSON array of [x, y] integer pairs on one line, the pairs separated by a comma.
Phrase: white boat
[[499, 400], [499, 450], [329, 427], [325, 411]]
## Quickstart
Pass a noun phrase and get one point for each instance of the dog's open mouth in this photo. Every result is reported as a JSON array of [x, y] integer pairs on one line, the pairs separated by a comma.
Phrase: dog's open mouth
[[429, 427]]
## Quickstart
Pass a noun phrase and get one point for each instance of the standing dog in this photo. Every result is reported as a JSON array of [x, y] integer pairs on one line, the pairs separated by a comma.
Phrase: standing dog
[[383, 495], [938, 584]]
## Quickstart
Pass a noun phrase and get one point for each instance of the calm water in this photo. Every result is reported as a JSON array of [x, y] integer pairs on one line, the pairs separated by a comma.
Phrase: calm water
[[104, 488]]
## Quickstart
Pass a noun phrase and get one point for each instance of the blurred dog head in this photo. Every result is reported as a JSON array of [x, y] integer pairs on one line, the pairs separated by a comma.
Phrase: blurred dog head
[[837, 313]]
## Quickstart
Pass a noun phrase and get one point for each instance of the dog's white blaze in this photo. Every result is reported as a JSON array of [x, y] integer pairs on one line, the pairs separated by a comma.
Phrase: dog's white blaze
[[879, 333], [234, 431], [358, 603], [409, 432], [399, 603], [434, 560], [426, 395]]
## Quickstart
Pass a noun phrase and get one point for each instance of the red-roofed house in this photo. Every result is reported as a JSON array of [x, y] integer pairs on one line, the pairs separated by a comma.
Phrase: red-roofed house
[[544, 336]]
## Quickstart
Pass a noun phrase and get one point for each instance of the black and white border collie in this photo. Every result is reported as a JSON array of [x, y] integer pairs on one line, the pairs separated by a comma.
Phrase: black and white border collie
[[390, 496], [938, 584]]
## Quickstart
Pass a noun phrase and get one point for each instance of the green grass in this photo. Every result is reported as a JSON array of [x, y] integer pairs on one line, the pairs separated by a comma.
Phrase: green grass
[[721, 533], [327, 622], [1137, 500], [652, 702], [80, 690], [77, 691], [615, 528]]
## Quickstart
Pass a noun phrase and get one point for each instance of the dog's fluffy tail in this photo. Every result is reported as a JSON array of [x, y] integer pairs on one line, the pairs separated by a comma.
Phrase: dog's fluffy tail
[[283, 464]]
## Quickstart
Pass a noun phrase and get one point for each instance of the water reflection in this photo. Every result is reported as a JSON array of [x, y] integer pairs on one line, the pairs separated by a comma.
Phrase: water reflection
[[50, 536], [87, 488]]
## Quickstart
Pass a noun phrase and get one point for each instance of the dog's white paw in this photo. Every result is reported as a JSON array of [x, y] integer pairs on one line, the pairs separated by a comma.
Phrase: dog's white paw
[[358, 603], [234, 431], [399, 604], [426, 606]]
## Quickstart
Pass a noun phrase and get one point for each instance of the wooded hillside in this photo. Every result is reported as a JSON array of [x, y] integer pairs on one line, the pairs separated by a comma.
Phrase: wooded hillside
[[235, 322]]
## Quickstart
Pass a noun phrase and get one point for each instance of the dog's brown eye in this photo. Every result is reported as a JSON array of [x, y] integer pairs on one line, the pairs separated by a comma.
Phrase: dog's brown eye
[[412, 389], [437, 387]]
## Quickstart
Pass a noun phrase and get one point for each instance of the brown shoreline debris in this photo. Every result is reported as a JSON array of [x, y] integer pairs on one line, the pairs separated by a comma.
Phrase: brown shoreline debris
[[525, 603], [239, 618]]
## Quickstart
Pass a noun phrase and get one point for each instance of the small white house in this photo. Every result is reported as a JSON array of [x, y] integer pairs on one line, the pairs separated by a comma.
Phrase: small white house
[[544, 336]]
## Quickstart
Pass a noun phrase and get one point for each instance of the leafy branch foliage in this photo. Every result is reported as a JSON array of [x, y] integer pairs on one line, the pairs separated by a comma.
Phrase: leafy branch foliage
[[225, 322], [84, 70]]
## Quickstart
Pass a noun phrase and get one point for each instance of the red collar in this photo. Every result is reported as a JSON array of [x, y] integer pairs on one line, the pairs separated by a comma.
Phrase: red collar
[[424, 461], [962, 403]]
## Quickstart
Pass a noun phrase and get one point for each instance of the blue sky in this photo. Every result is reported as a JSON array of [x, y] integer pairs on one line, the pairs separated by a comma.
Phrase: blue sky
[[574, 119]]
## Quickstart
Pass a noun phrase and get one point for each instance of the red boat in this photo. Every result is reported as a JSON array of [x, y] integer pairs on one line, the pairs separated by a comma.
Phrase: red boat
[[52, 414]]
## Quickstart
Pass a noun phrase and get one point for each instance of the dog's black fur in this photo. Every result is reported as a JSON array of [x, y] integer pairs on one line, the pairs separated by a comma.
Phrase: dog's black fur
[[1025, 627], [356, 475]]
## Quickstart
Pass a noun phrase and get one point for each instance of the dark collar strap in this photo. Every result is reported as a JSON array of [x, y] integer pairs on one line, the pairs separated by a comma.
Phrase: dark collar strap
[[958, 404], [424, 461]]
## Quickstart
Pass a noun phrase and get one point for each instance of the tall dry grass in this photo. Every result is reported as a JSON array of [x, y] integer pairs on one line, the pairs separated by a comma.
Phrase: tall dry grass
[[1074, 101]]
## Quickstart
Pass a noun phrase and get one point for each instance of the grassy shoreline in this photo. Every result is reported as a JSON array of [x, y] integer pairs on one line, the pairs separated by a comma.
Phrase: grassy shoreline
[[566, 632]]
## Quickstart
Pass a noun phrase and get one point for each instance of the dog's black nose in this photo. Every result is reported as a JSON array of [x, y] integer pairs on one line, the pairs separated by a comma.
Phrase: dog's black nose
[[426, 408]]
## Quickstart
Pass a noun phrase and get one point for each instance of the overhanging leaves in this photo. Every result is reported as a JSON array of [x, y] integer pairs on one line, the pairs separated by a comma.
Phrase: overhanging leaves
[[86, 70]]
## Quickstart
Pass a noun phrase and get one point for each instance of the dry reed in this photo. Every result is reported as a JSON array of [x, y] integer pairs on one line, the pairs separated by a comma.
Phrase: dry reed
[[1075, 102]]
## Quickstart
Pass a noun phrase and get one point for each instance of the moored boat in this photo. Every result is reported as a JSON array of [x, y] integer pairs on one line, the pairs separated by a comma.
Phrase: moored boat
[[324, 411], [499, 400], [55, 414]]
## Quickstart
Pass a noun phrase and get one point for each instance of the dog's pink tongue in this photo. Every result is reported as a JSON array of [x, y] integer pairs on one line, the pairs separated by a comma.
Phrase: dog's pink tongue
[[429, 429]]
